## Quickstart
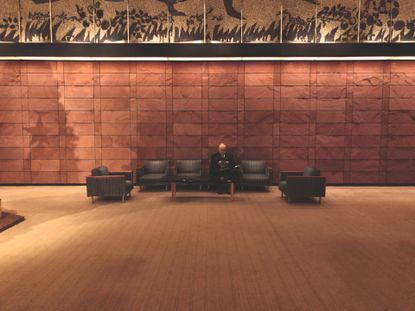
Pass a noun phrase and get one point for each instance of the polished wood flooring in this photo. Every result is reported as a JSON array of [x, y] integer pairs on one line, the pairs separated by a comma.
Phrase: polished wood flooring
[[356, 251]]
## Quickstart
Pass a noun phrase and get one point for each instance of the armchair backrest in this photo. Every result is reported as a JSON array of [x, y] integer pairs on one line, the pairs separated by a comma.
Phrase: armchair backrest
[[311, 171], [100, 171], [253, 166], [156, 166], [189, 166]]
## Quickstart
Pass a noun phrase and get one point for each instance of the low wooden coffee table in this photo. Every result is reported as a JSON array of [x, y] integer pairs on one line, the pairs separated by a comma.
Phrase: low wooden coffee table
[[202, 181]]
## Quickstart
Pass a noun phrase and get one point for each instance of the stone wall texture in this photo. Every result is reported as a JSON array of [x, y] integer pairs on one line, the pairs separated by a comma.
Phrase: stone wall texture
[[353, 120]]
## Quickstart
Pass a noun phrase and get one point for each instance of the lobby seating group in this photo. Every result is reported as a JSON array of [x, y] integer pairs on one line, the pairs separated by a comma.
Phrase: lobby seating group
[[294, 185]]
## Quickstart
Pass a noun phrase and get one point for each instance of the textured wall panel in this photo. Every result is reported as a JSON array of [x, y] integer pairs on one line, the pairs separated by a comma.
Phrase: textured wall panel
[[35, 21], [9, 21], [223, 18], [188, 21], [375, 20], [299, 21], [73, 21], [337, 20], [149, 21], [261, 25]]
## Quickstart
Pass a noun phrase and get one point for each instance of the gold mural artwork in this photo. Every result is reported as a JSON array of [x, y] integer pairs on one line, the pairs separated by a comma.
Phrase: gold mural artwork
[[337, 21], [205, 21], [73, 22], [111, 21], [188, 21], [299, 20], [403, 20], [261, 25], [150, 21], [9, 25], [35, 21], [375, 20], [224, 20]]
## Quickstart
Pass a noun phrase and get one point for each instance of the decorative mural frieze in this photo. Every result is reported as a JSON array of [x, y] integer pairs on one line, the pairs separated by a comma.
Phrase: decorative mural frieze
[[231, 21]]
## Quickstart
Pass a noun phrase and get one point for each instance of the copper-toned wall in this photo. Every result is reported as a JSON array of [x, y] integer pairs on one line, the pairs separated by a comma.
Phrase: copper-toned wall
[[354, 120]]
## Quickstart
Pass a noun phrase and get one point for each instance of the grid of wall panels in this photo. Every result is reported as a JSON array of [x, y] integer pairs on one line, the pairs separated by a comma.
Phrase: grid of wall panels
[[353, 120]]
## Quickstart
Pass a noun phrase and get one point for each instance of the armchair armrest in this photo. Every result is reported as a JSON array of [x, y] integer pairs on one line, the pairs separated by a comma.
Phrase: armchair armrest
[[285, 174], [109, 185]]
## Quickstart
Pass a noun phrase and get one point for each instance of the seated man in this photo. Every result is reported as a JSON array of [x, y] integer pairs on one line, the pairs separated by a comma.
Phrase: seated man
[[222, 167]]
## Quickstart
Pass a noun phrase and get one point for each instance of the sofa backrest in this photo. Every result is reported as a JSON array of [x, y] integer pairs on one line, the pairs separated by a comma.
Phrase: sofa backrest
[[189, 166], [156, 166], [253, 166]]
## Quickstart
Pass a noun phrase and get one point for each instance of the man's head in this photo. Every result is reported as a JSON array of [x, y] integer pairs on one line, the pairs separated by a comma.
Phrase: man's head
[[222, 148]]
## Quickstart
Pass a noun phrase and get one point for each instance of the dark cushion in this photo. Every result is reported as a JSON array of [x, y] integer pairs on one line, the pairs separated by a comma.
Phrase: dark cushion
[[100, 171], [311, 171], [152, 177], [188, 175], [156, 166], [189, 166], [255, 178], [253, 166]]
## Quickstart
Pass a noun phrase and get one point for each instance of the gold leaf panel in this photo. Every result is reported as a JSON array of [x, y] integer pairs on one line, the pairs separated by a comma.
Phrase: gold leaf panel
[[72, 21], [375, 21], [337, 21], [299, 20], [111, 21], [264, 24], [150, 20], [224, 20], [403, 20], [188, 21], [35, 21], [9, 21]]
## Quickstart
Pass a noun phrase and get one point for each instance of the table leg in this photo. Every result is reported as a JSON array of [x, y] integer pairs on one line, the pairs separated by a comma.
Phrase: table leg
[[232, 189], [173, 190]]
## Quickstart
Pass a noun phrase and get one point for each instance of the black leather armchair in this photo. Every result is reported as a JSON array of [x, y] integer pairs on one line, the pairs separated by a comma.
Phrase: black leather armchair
[[299, 185], [153, 172], [255, 173], [103, 183]]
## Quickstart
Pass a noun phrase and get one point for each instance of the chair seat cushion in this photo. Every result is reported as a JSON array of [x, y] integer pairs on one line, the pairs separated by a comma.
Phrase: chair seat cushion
[[188, 175], [152, 177], [282, 185], [258, 178]]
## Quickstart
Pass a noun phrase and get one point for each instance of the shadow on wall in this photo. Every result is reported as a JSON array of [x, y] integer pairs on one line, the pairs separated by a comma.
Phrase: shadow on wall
[[52, 140]]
